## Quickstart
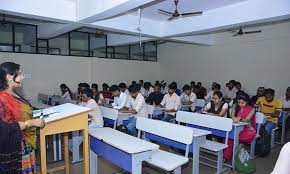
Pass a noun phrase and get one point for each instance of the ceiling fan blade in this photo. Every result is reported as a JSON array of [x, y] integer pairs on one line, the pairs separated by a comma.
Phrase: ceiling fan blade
[[252, 32], [164, 12], [171, 18], [191, 14]]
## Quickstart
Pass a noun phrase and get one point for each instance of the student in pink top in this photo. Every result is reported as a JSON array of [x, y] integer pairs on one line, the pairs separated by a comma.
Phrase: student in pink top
[[243, 111]]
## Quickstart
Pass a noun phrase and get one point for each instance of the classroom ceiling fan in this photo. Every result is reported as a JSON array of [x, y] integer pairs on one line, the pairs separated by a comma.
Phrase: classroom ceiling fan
[[240, 32], [176, 13]]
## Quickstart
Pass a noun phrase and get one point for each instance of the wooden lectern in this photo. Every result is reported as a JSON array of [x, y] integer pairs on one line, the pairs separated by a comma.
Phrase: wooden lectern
[[65, 118]]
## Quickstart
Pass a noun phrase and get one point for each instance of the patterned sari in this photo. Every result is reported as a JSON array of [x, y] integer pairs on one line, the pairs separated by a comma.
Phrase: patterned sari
[[13, 110]]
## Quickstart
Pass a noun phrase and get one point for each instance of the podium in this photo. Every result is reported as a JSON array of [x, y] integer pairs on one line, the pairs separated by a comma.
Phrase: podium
[[63, 119]]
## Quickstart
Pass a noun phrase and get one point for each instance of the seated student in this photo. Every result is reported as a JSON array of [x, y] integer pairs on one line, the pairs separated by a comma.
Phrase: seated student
[[137, 106], [260, 93], [95, 114], [177, 91], [123, 88], [192, 83], [147, 89], [214, 87], [199, 92], [81, 88], [217, 107], [282, 165], [141, 86], [270, 106], [164, 88], [157, 82], [98, 96], [106, 93], [230, 91], [244, 112], [188, 97], [155, 97], [171, 103], [66, 93], [120, 98], [203, 90], [286, 100]]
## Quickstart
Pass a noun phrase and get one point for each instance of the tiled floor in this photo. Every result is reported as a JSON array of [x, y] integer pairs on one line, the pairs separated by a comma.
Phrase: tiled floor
[[263, 165]]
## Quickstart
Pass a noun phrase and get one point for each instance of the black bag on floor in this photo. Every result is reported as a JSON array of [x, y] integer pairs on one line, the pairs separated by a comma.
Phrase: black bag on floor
[[263, 143], [123, 129]]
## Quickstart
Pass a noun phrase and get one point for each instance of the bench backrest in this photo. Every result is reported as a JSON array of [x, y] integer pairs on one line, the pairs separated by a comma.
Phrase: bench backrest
[[110, 113], [206, 121]]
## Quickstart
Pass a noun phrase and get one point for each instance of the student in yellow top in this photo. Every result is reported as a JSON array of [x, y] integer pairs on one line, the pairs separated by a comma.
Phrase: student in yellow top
[[270, 106]]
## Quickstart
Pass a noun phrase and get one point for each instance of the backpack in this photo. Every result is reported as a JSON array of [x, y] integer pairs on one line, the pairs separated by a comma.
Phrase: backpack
[[244, 164], [123, 129], [263, 143]]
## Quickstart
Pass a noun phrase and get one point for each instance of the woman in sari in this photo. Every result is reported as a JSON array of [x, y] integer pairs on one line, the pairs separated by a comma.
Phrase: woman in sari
[[17, 127]]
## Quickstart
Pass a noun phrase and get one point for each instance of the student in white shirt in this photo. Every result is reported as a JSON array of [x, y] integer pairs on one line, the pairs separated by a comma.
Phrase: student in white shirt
[[164, 88], [120, 98], [66, 94], [286, 100], [137, 106], [188, 97], [230, 91], [171, 103], [95, 114], [123, 88], [148, 89]]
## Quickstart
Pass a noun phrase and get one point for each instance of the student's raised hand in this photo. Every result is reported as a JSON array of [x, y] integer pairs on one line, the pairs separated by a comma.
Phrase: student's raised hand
[[38, 122]]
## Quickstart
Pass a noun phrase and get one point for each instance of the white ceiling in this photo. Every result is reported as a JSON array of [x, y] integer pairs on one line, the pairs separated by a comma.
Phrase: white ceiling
[[184, 6]]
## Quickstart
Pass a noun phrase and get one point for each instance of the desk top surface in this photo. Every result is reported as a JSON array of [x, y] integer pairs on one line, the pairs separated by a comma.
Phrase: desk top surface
[[62, 111], [122, 141]]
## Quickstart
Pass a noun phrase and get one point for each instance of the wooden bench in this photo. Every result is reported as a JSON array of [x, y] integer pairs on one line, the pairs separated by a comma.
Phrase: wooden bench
[[217, 125], [162, 159]]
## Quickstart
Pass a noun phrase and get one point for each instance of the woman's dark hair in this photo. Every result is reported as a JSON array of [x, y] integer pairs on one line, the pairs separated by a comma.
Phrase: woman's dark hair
[[5, 69], [88, 92], [114, 88], [95, 86], [243, 96], [218, 93], [64, 86]]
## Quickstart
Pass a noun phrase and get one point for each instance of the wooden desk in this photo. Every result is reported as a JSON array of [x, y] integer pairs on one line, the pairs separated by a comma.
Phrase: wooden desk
[[69, 117]]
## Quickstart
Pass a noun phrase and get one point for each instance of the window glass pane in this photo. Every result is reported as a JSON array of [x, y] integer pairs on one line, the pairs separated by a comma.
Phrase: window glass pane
[[6, 37], [136, 52], [59, 45], [25, 38], [79, 44], [42, 46], [150, 51], [122, 52], [110, 52], [98, 45]]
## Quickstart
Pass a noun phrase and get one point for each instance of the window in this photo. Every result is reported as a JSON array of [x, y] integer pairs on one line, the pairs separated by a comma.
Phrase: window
[[79, 43], [42, 46], [25, 38], [121, 52], [136, 52], [98, 44], [59, 45], [6, 37], [150, 51]]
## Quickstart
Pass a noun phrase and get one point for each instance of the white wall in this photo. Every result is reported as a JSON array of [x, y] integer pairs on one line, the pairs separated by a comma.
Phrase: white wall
[[46, 72], [254, 60]]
